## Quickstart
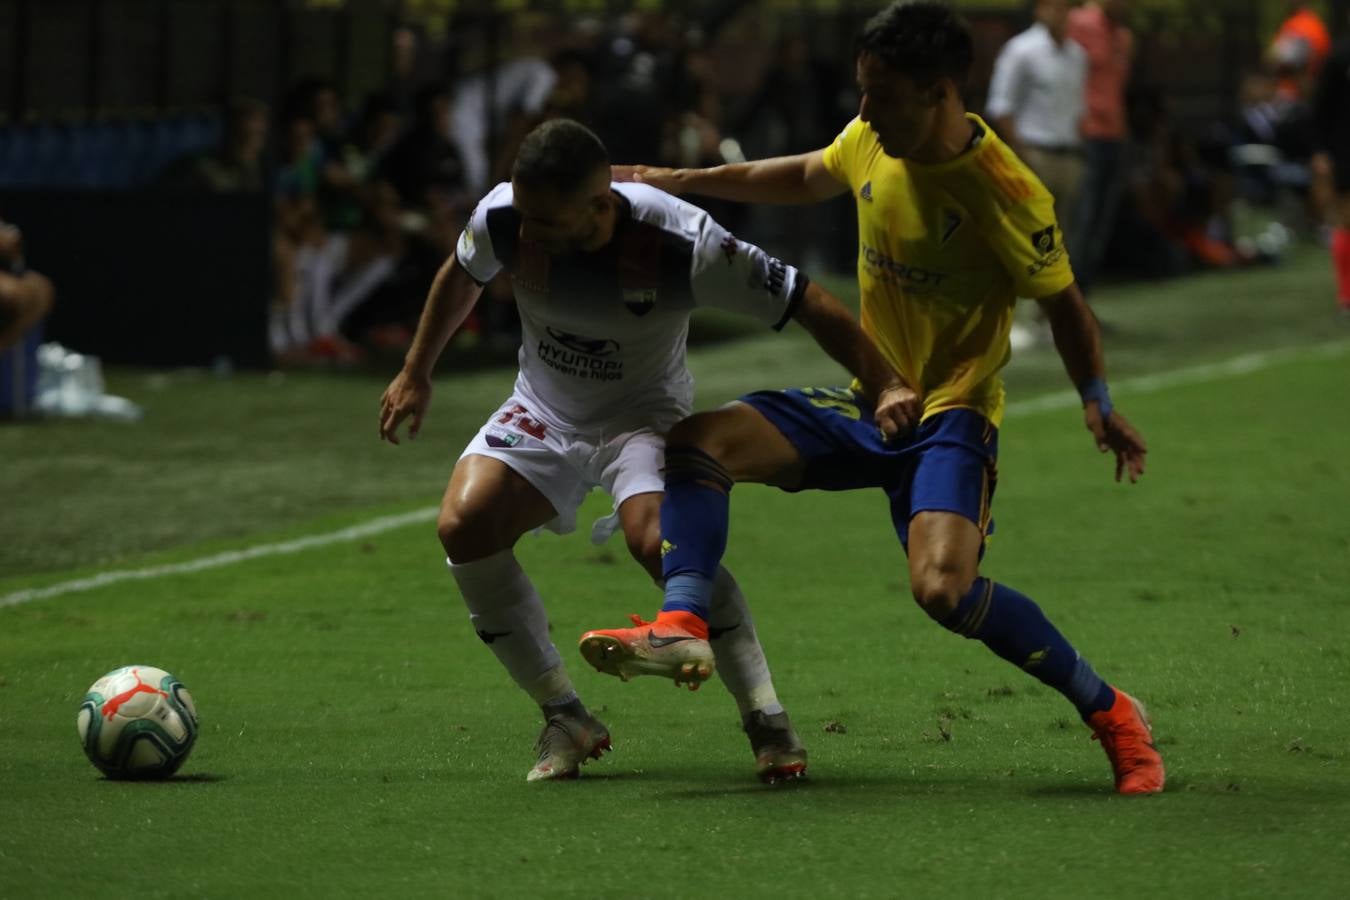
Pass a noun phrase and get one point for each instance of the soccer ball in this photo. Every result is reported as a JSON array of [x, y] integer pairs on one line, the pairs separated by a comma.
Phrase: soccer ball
[[137, 722]]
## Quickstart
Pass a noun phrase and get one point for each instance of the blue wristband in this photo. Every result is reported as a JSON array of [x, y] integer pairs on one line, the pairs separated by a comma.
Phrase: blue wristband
[[1095, 389]]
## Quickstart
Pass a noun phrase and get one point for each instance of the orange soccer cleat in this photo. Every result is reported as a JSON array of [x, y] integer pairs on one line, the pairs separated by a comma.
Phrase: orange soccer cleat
[[1127, 738], [675, 646]]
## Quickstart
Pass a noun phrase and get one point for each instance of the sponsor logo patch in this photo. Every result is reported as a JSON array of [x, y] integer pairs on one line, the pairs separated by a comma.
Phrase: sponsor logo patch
[[639, 300], [1043, 240], [589, 346]]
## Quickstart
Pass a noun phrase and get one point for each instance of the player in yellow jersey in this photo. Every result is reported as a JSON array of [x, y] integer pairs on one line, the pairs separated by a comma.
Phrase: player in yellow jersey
[[952, 228]]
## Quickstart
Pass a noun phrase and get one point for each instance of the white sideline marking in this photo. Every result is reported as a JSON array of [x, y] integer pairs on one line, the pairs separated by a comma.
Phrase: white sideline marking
[[1148, 384], [1144, 384], [229, 558]]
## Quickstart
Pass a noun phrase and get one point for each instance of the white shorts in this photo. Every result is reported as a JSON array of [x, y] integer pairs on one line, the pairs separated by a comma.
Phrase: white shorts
[[564, 466]]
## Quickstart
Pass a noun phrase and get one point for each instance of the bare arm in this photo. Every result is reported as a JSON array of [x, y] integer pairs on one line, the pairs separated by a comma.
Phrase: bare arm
[[782, 179], [897, 405], [25, 300], [1078, 339], [1079, 343], [452, 296]]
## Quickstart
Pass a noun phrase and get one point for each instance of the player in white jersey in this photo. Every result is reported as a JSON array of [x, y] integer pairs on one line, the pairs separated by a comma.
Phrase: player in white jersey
[[605, 277]]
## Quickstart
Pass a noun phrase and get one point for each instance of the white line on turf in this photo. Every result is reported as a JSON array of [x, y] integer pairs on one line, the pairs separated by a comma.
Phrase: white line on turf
[[1148, 384], [228, 558], [1236, 366]]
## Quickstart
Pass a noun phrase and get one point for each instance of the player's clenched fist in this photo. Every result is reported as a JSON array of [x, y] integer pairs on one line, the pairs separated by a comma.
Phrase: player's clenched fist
[[898, 411]]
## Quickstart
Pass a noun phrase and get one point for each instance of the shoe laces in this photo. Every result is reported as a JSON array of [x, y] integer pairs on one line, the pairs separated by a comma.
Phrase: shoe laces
[[557, 728], [552, 728], [638, 620]]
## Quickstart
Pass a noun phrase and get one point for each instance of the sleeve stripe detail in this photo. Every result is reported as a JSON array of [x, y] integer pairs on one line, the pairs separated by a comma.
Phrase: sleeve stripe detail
[[1012, 185], [798, 291]]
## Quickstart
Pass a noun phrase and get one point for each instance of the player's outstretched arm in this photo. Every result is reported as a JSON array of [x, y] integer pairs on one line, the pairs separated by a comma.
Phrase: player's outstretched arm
[[1078, 340], [782, 179], [898, 406], [452, 296]]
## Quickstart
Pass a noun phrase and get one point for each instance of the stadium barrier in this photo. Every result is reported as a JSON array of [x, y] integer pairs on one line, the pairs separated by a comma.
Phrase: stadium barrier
[[149, 278]]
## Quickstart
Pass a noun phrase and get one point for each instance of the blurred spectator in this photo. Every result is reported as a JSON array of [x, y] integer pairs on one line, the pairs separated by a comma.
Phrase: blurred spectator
[[236, 165], [1178, 213], [1298, 50], [419, 205], [572, 96], [1331, 118], [1272, 146], [424, 166], [1036, 104], [297, 178], [341, 176], [351, 160], [693, 134], [26, 298], [317, 100], [635, 71], [798, 107], [520, 90], [1099, 26], [405, 69], [327, 265], [493, 111]]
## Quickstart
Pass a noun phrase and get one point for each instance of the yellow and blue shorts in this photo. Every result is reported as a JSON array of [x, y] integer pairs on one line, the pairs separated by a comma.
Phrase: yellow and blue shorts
[[948, 464]]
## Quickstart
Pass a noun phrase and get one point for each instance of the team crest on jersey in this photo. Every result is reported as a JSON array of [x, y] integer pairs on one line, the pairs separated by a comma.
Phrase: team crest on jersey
[[639, 300], [1043, 240], [951, 221], [866, 192]]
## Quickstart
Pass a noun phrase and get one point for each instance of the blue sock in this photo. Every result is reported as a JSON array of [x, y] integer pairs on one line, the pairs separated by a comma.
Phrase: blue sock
[[695, 518], [1014, 627]]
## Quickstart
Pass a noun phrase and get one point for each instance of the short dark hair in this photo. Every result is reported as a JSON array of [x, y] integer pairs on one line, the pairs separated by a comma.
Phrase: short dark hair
[[920, 39], [561, 154]]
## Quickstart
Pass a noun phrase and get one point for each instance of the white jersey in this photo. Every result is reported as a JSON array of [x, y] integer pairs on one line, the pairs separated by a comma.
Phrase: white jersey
[[603, 333]]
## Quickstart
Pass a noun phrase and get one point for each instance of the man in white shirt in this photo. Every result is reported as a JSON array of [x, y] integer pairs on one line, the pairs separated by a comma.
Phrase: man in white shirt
[[519, 85], [605, 277], [1036, 101]]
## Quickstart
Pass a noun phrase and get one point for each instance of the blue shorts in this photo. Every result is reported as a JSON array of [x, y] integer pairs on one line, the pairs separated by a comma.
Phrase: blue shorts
[[949, 464]]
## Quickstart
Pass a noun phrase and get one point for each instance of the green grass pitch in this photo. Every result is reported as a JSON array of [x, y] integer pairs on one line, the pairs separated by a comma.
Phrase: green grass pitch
[[357, 738]]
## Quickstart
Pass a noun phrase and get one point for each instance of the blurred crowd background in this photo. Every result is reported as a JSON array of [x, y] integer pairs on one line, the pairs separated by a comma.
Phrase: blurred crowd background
[[275, 182]]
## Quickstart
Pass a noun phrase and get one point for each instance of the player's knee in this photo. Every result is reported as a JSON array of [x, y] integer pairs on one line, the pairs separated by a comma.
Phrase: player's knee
[[468, 534], [699, 432], [938, 590], [646, 550]]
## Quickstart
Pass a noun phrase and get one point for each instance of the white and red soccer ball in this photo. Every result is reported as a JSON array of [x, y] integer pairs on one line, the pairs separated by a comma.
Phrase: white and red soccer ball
[[137, 722]]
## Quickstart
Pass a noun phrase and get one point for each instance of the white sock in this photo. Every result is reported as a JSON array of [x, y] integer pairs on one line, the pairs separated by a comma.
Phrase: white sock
[[506, 612], [740, 658]]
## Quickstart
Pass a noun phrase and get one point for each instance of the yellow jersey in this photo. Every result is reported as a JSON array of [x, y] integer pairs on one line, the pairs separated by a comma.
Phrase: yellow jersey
[[944, 252]]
